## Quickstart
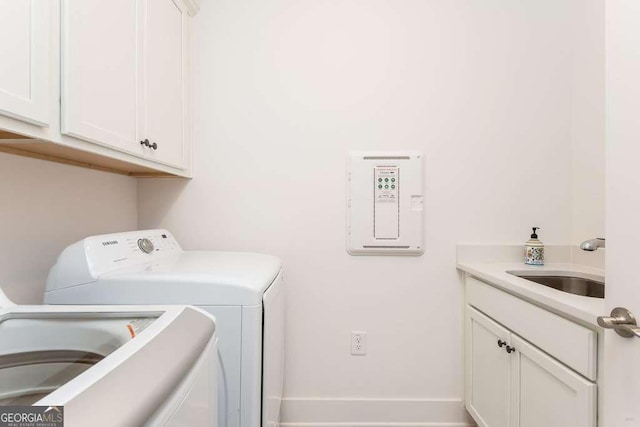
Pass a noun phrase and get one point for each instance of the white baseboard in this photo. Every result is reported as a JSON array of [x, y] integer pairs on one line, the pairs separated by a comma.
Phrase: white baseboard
[[376, 425], [313, 412]]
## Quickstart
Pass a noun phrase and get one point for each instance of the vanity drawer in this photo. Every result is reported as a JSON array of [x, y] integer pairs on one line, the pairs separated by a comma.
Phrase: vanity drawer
[[572, 344]]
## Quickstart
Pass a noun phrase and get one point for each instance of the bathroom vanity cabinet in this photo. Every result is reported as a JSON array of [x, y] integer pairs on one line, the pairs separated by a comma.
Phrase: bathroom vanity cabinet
[[525, 365]]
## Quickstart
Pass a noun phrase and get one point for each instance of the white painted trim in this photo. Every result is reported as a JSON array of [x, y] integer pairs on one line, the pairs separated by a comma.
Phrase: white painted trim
[[319, 412], [193, 6], [386, 424]]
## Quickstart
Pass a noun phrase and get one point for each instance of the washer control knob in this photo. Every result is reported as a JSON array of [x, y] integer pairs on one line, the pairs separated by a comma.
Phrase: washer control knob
[[145, 245]]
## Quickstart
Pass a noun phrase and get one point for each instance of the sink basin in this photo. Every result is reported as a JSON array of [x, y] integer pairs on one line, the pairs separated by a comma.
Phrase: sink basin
[[566, 282]]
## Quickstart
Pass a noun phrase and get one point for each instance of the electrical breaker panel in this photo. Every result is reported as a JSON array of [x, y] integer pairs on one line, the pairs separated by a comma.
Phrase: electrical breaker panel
[[385, 203]]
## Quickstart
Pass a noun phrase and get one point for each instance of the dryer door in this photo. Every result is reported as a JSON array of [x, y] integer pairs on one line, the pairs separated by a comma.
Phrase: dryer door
[[273, 352]]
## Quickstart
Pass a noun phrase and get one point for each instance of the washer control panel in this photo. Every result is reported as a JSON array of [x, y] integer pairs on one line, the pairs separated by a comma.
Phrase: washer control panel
[[146, 245], [110, 252], [85, 261]]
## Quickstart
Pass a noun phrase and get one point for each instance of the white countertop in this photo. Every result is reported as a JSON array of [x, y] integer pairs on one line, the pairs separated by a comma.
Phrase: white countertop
[[585, 309]]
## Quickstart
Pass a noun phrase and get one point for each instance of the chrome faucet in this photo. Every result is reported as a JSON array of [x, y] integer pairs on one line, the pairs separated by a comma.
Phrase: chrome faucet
[[593, 244]]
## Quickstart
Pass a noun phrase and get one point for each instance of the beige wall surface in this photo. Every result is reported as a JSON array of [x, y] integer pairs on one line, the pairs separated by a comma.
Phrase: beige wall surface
[[45, 207]]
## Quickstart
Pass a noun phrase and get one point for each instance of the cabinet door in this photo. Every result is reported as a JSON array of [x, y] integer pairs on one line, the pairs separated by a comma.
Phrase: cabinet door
[[25, 44], [546, 393], [487, 370], [165, 80], [100, 78]]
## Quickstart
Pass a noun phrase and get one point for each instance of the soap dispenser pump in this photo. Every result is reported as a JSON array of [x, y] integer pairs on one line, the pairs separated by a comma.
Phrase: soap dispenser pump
[[534, 250]]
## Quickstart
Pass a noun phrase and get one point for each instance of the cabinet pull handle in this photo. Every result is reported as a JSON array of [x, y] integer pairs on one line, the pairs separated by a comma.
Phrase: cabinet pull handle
[[146, 143], [501, 343], [510, 349]]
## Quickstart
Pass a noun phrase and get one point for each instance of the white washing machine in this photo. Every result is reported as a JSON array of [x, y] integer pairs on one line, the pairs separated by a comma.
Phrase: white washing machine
[[109, 366], [243, 291]]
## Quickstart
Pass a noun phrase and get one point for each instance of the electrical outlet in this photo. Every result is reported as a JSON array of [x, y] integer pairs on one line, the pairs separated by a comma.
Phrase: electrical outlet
[[358, 343]]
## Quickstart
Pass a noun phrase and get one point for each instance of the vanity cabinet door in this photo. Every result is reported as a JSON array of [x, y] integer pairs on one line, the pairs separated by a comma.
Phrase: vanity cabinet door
[[25, 44], [487, 370], [546, 393]]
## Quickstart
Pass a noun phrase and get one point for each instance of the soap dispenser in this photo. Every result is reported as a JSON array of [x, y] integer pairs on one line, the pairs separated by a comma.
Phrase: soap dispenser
[[534, 250]]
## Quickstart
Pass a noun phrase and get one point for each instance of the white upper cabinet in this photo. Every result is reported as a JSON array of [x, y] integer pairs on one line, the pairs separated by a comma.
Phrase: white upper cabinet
[[164, 121], [100, 57], [98, 83], [25, 45], [125, 76]]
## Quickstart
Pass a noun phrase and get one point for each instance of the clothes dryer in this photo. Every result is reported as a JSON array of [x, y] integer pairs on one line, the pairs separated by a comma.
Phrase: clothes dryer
[[244, 291]]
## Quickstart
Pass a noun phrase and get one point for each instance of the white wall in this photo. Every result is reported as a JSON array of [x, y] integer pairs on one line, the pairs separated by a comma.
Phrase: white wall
[[285, 88], [588, 123], [46, 206]]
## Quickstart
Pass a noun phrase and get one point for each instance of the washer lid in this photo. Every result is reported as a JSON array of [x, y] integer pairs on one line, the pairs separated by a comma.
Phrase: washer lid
[[135, 376], [40, 351], [190, 277]]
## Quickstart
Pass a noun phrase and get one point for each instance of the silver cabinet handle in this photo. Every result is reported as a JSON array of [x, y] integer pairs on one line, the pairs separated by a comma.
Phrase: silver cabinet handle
[[622, 321]]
